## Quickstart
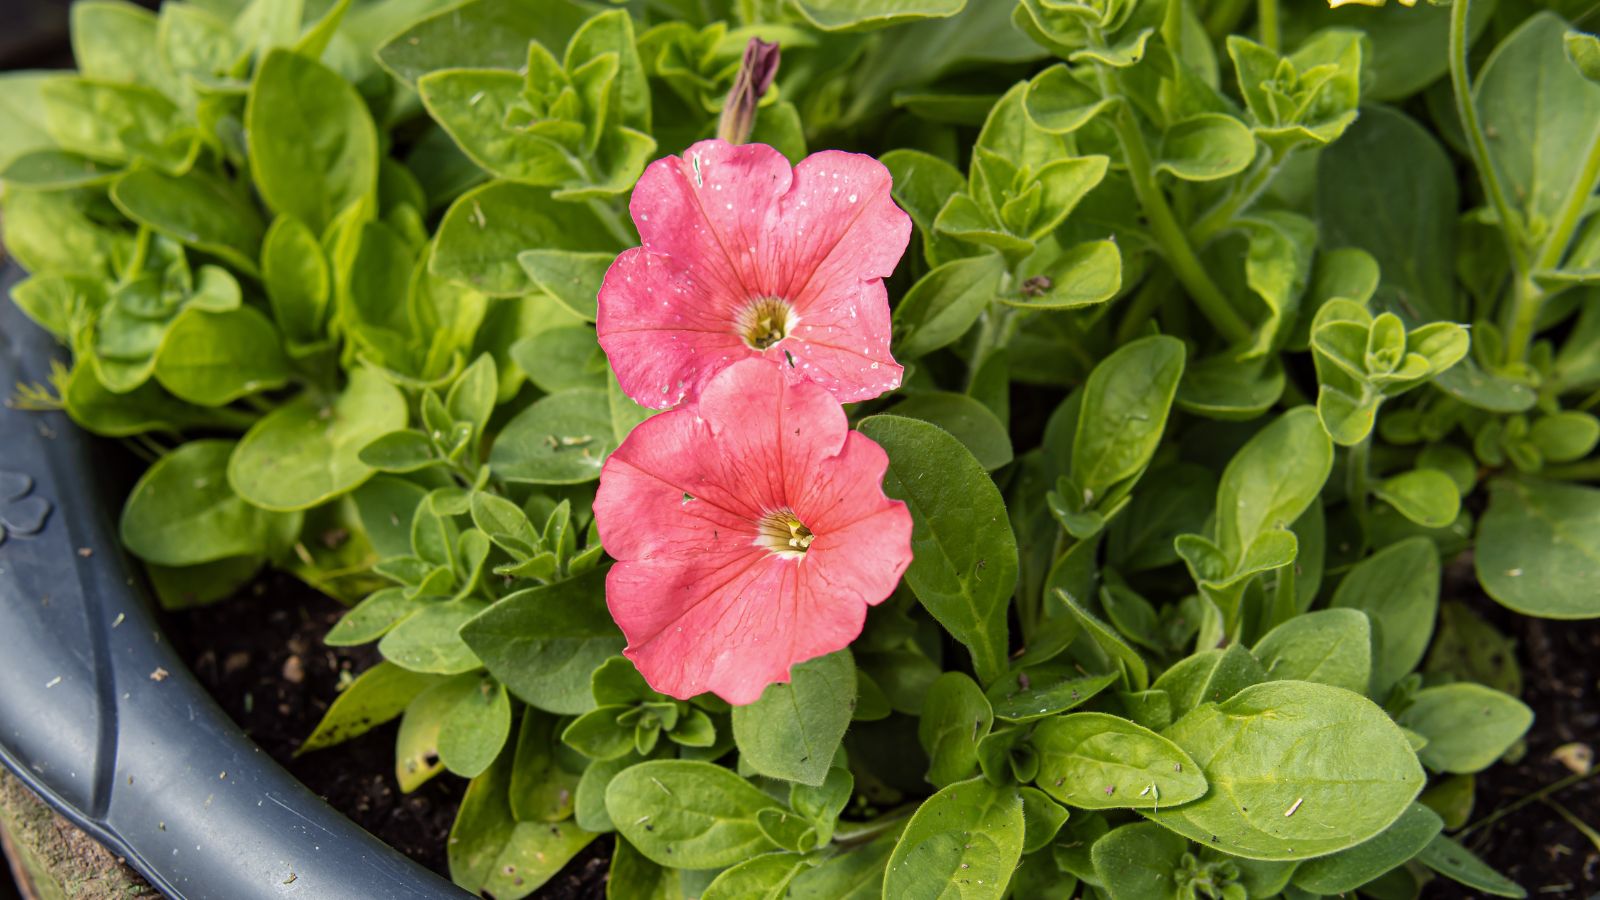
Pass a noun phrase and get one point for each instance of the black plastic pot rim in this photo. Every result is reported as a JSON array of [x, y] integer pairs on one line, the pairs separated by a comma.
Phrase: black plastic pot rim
[[100, 716]]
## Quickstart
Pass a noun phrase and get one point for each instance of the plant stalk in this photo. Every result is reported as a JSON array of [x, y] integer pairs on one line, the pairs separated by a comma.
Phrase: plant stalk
[[1267, 22], [1357, 480], [1164, 225]]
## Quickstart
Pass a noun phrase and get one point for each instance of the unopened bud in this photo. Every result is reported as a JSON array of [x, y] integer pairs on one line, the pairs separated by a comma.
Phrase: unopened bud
[[756, 71]]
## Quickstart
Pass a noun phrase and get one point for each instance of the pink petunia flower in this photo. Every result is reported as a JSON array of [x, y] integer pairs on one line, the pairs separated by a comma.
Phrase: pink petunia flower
[[746, 257], [751, 533]]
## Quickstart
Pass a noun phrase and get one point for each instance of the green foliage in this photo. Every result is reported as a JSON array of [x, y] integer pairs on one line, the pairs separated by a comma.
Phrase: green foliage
[[1227, 328]]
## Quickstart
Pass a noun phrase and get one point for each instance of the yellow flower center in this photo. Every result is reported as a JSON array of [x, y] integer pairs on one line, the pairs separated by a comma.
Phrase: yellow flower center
[[764, 322], [783, 534]]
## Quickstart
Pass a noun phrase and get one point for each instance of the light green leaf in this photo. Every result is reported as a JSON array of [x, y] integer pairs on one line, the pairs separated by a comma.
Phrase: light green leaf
[[1398, 589], [561, 439], [1297, 770], [307, 452], [700, 815], [962, 842], [865, 15], [486, 228], [1349, 869], [376, 696], [214, 358], [196, 209], [313, 147], [1124, 413], [1328, 646], [428, 641], [474, 731], [968, 420], [1538, 549], [794, 729], [1457, 863], [965, 557], [1427, 497], [944, 303], [544, 642], [1093, 760], [183, 513], [1206, 147], [1468, 726]]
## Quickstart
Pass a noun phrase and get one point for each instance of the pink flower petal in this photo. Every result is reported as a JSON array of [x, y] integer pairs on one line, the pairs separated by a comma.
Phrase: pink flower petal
[[726, 225], [704, 603]]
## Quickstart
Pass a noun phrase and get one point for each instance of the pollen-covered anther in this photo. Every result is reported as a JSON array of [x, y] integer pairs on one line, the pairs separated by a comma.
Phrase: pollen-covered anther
[[765, 321], [781, 532]]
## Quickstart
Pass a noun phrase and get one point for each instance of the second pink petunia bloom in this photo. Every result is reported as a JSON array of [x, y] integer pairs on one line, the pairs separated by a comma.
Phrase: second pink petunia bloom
[[746, 257], [751, 532]]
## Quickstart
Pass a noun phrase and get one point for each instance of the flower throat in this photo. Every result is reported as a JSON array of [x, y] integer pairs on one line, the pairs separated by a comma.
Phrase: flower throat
[[765, 321]]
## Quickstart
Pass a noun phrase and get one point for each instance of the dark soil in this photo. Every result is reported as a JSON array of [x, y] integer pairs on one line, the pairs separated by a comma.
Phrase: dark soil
[[261, 655], [1535, 845]]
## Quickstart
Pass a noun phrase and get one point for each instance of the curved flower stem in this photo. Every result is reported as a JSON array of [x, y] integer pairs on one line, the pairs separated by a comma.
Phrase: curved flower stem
[[1267, 22], [1219, 217], [1522, 315], [1164, 225]]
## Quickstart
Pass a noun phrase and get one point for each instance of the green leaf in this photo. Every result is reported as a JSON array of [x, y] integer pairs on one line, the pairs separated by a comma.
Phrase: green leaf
[[1538, 549], [794, 729], [864, 15], [699, 815], [544, 642], [61, 232], [1398, 589], [118, 123], [1329, 646], [473, 106], [196, 209], [1427, 497], [1210, 676], [183, 513], [764, 877], [1298, 770], [1039, 691], [1124, 413], [1059, 103], [307, 452], [313, 147], [1082, 275], [372, 618], [572, 278], [376, 696], [474, 731], [493, 853], [1468, 726], [955, 716], [944, 303], [428, 641], [488, 33], [923, 184], [1388, 188], [962, 842], [1349, 869], [1546, 120], [214, 358], [968, 420], [114, 40], [486, 228], [1093, 760], [1271, 481], [55, 170], [1206, 147], [561, 439], [856, 874], [1138, 861], [1457, 863], [965, 557], [295, 273]]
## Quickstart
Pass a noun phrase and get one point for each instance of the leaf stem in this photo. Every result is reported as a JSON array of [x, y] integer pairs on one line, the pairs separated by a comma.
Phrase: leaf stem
[[1164, 226], [1546, 791], [1150, 294]]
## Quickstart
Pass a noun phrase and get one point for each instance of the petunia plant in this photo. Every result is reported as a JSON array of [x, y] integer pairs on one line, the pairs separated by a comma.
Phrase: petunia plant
[[1006, 448]]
